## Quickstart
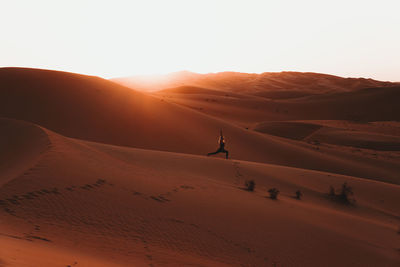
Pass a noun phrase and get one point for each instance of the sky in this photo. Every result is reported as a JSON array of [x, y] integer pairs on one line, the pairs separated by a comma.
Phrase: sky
[[352, 38]]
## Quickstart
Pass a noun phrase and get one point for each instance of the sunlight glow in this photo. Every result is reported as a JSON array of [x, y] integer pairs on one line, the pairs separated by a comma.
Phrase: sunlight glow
[[120, 38]]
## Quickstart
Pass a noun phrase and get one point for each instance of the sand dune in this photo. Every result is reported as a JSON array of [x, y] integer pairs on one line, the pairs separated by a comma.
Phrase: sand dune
[[93, 173], [21, 145], [357, 139], [288, 129], [253, 83], [133, 207], [317, 133], [193, 90], [94, 109], [371, 104]]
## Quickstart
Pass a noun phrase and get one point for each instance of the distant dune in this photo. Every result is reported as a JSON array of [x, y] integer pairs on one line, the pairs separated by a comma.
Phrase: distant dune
[[314, 132], [363, 105], [94, 173], [301, 82]]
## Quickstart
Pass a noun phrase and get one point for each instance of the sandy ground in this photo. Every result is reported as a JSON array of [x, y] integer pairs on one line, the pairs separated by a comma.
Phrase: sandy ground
[[81, 191]]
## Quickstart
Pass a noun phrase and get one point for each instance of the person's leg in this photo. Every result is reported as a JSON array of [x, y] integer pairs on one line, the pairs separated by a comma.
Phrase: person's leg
[[226, 153], [213, 153]]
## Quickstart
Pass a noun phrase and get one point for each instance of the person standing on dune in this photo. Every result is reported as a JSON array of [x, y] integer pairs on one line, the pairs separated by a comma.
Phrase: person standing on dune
[[221, 148]]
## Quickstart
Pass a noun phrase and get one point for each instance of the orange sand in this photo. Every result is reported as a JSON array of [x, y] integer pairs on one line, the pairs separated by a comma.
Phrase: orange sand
[[96, 174]]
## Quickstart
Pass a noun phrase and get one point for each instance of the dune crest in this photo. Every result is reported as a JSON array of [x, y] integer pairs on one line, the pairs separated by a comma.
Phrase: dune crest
[[22, 144]]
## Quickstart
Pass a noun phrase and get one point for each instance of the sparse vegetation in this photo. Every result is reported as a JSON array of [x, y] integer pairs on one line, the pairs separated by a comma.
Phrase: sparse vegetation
[[346, 192], [298, 194], [344, 195], [273, 193], [250, 184]]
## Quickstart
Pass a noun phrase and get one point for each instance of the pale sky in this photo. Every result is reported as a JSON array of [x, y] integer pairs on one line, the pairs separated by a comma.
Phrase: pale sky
[[353, 38]]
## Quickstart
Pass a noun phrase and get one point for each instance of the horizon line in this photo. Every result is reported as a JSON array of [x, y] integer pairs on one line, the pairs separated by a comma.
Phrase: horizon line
[[195, 72]]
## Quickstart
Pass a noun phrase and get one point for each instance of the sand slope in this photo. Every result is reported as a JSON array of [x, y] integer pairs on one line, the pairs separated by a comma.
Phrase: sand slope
[[98, 110], [363, 105], [138, 207], [310, 131], [93, 173], [21, 146]]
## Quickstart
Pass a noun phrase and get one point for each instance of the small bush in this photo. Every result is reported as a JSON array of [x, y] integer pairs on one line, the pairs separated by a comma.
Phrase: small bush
[[273, 193], [345, 194], [298, 194], [250, 185]]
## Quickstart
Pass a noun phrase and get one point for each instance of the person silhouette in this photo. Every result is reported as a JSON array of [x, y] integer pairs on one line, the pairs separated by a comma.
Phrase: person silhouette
[[221, 149]]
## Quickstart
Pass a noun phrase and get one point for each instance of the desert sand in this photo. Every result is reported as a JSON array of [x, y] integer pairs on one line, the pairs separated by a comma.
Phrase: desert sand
[[96, 173]]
